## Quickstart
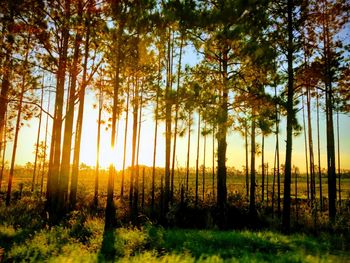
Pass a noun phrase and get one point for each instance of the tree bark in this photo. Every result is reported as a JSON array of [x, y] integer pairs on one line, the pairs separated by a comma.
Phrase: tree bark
[[176, 120], [290, 117], [38, 137], [252, 207], [319, 150], [97, 169], [79, 125], [54, 203], [197, 158], [222, 145], [68, 128], [155, 135], [246, 158], [125, 139], [262, 167], [306, 151]]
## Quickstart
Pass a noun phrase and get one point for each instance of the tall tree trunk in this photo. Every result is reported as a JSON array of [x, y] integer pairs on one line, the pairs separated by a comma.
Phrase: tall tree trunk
[[222, 145], [332, 189], [68, 128], [79, 125], [296, 193], [53, 200], [277, 160], [319, 150], [45, 145], [167, 127], [136, 182], [135, 105], [6, 76], [38, 136], [338, 156], [197, 158], [18, 124], [213, 163], [262, 167], [97, 169], [306, 151], [246, 158], [125, 139], [110, 207], [3, 153], [15, 141], [188, 152], [176, 120], [252, 207], [143, 190], [311, 146], [274, 182], [267, 184], [290, 117], [204, 152], [155, 134]]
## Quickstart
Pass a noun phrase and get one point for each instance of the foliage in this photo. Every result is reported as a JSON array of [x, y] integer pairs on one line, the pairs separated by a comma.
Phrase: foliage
[[155, 244]]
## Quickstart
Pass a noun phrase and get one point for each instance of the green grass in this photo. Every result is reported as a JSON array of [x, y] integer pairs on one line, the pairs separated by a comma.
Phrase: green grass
[[86, 241]]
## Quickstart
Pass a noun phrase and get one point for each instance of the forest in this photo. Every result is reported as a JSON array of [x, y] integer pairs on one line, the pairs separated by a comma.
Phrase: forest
[[174, 131]]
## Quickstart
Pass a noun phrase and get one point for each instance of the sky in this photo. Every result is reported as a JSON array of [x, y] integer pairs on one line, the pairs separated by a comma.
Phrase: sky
[[235, 149]]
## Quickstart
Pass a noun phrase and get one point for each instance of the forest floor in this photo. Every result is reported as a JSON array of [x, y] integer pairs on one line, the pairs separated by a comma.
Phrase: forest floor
[[25, 237]]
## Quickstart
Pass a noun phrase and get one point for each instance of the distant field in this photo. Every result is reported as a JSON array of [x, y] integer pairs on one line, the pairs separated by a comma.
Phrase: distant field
[[235, 183]]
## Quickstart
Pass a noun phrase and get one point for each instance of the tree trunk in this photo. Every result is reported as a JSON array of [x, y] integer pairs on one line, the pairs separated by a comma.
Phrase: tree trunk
[[338, 156], [110, 207], [252, 207], [15, 141], [136, 183], [267, 184], [188, 152], [246, 158], [167, 128], [54, 203], [332, 189], [45, 145], [319, 150], [262, 168], [277, 162], [68, 128], [125, 139], [204, 152], [213, 163], [290, 117], [155, 135], [222, 145], [311, 147], [135, 104], [79, 125], [306, 152], [6, 76], [97, 169], [197, 158], [38, 136], [296, 193], [3, 153], [176, 120], [143, 190]]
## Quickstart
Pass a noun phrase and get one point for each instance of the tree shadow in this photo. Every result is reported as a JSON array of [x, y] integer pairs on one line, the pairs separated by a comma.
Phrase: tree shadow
[[108, 251]]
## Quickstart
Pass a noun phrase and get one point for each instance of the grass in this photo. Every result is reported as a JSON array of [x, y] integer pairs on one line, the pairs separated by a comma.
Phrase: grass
[[155, 244], [25, 236]]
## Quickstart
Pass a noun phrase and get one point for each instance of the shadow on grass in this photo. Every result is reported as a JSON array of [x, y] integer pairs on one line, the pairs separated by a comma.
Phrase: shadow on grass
[[108, 250], [7, 240], [262, 246]]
